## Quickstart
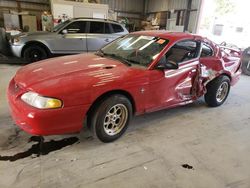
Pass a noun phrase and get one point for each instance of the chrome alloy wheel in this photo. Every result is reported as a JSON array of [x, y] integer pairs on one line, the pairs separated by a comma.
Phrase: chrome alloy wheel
[[222, 92], [115, 119]]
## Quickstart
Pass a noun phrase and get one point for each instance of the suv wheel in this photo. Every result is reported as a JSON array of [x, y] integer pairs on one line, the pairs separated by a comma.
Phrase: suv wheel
[[246, 61], [34, 53]]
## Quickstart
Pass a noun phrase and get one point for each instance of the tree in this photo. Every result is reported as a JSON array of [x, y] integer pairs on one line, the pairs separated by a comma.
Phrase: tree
[[224, 7]]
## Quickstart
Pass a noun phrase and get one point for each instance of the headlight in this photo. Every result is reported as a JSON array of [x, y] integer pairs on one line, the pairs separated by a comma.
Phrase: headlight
[[40, 102], [16, 40]]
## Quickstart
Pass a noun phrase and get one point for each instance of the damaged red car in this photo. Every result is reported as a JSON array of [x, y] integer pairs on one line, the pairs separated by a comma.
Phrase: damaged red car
[[138, 73]]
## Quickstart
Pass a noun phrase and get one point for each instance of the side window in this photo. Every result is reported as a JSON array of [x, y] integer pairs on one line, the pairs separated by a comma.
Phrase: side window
[[183, 51], [76, 27], [117, 28], [206, 51], [96, 27], [107, 28]]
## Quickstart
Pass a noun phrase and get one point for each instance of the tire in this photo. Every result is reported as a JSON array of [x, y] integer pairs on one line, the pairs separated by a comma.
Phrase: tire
[[246, 61], [220, 84], [34, 53], [101, 118], [4, 45]]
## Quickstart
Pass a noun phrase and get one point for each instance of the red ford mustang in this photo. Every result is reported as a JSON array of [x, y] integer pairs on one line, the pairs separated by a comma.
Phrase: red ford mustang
[[138, 73]]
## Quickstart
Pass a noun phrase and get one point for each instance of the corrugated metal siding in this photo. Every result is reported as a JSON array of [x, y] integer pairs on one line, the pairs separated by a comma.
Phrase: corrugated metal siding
[[166, 5], [195, 4], [8, 4], [157, 5], [125, 5], [36, 1], [177, 4], [25, 5], [39, 7]]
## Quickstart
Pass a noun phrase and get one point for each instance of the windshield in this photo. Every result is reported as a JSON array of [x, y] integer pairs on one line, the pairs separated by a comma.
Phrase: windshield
[[136, 49], [60, 26]]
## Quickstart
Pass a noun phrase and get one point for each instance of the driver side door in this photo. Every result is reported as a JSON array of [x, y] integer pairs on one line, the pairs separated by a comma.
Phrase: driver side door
[[71, 39], [169, 88]]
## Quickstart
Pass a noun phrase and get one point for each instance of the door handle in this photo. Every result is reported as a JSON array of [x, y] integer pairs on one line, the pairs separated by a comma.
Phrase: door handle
[[193, 70], [106, 40]]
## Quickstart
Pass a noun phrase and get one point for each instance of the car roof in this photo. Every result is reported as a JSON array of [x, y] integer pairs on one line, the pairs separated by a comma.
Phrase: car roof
[[95, 19], [169, 34]]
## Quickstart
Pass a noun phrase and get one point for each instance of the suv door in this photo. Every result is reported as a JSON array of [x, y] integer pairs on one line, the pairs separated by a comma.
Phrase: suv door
[[172, 87], [72, 39], [99, 34]]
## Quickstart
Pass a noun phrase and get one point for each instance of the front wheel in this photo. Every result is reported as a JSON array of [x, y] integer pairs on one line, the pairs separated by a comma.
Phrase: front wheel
[[34, 53], [111, 118], [217, 91]]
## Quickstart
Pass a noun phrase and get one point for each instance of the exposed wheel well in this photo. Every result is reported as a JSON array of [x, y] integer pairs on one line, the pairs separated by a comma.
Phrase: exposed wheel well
[[38, 44], [224, 74], [108, 94]]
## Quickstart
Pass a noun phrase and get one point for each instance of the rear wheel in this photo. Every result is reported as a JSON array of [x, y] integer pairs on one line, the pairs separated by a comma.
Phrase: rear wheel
[[217, 91], [34, 53], [110, 119], [246, 61]]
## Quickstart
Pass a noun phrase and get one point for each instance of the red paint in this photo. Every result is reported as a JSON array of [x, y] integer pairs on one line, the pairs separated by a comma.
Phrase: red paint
[[80, 79]]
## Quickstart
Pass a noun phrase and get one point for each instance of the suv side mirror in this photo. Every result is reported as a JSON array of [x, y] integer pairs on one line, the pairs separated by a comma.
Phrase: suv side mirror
[[166, 64], [65, 31]]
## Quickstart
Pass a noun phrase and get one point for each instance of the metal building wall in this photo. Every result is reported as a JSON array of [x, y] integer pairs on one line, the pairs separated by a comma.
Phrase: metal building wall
[[177, 4], [26, 5], [129, 6], [156, 5], [34, 7], [195, 4], [167, 5]]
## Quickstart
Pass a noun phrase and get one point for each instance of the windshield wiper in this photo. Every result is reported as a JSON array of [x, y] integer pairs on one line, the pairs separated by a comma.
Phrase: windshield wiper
[[114, 56], [133, 61], [122, 59]]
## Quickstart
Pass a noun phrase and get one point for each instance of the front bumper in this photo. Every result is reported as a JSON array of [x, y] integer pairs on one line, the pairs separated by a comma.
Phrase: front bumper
[[44, 122], [16, 50]]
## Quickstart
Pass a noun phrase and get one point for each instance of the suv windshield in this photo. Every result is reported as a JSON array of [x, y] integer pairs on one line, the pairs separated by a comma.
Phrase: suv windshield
[[60, 26], [136, 49]]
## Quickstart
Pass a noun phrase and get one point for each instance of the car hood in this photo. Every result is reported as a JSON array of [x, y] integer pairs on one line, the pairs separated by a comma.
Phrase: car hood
[[35, 34], [38, 33], [86, 66]]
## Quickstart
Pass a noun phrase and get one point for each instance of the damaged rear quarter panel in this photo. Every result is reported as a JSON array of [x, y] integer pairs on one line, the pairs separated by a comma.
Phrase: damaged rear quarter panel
[[221, 64]]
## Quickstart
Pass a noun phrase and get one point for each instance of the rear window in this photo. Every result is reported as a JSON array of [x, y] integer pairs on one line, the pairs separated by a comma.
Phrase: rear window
[[107, 28], [117, 28], [96, 27]]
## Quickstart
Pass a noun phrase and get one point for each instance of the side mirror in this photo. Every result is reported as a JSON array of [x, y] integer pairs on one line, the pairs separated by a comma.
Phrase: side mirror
[[167, 64], [65, 31]]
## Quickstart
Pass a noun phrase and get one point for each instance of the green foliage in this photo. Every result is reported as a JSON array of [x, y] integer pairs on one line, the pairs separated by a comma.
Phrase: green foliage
[[206, 23], [224, 7]]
